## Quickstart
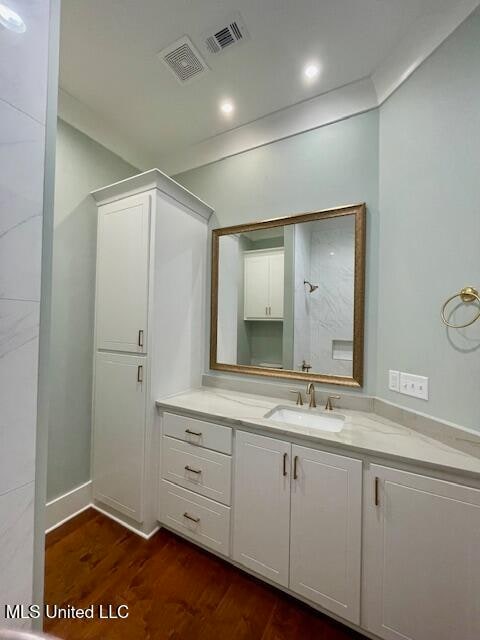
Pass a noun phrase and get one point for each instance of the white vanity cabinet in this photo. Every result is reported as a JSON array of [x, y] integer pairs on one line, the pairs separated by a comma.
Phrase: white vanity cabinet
[[264, 284], [325, 530], [394, 553], [297, 520], [195, 480], [261, 531], [151, 272], [422, 557]]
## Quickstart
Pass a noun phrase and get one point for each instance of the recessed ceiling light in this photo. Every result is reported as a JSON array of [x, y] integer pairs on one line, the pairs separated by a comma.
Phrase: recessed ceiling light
[[311, 71], [11, 20], [227, 107]]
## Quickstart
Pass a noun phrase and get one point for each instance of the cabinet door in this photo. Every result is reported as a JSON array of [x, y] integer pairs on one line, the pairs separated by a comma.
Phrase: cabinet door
[[122, 274], [422, 558], [256, 286], [262, 505], [325, 547], [277, 285], [119, 432]]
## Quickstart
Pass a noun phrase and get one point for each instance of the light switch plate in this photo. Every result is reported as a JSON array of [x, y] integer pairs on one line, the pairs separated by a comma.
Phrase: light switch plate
[[412, 385], [394, 380]]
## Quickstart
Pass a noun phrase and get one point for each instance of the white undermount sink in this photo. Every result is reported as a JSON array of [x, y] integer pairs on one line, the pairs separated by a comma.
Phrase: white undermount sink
[[321, 420]]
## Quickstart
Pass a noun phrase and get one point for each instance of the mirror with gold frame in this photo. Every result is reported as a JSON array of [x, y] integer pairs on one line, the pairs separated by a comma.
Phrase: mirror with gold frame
[[288, 297]]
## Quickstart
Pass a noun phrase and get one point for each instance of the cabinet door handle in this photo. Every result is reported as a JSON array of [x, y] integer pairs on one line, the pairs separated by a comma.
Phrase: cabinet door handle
[[193, 433], [295, 462], [188, 468], [269, 311], [140, 337], [266, 311], [140, 373], [284, 464], [376, 491], [189, 517]]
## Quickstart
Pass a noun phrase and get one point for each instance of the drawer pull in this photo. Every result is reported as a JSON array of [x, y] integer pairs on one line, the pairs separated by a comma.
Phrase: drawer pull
[[187, 468], [189, 517], [193, 433], [140, 337]]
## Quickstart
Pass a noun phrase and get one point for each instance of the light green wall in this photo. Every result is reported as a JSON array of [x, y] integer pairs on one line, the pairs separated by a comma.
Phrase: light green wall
[[326, 167], [82, 165], [430, 227]]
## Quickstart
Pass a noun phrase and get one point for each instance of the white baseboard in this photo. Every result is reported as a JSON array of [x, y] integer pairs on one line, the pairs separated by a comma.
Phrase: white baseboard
[[145, 536], [68, 506], [71, 504]]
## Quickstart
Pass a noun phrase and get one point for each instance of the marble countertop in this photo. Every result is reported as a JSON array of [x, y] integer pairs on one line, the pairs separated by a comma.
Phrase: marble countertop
[[365, 433]]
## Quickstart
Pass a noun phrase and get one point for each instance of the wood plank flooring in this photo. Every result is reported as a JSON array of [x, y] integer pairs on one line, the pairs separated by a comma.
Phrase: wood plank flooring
[[173, 589]]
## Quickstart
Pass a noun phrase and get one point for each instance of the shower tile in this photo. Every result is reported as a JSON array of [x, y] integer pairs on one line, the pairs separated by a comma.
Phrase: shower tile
[[19, 322], [24, 59], [21, 198], [16, 550]]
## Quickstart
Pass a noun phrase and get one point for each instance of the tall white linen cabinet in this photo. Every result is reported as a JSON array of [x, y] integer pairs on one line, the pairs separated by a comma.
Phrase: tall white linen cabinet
[[149, 331]]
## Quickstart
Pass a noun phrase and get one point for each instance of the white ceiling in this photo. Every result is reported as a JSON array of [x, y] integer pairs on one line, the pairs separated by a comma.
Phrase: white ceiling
[[108, 59]]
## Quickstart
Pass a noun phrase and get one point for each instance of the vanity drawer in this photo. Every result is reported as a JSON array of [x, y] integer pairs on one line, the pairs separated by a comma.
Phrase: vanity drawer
[[198, 518], [201, 470], [203, 434]]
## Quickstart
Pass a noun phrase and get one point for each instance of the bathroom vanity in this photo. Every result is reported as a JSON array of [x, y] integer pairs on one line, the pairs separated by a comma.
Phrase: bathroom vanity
[[351, 521], [343, 509]]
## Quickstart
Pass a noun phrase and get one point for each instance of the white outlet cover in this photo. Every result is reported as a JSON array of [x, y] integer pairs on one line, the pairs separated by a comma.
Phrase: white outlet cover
[[394, 380], [413, 385]]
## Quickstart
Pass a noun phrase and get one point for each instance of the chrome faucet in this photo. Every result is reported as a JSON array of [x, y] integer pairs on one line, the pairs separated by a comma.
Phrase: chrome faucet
[[311, 394], [329, 404]]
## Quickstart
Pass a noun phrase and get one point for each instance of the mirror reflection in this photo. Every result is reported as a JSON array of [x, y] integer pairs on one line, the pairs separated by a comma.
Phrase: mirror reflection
[[286, 296]]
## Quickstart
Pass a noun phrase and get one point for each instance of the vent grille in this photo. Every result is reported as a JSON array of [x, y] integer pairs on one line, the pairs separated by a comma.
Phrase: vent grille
[[232, 32], [183, 60]]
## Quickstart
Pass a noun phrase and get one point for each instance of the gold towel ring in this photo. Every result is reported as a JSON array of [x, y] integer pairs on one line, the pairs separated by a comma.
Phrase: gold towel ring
[[467, 295]]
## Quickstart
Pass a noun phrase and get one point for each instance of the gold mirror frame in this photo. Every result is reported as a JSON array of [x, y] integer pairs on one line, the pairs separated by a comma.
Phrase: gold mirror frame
[[356, 380]]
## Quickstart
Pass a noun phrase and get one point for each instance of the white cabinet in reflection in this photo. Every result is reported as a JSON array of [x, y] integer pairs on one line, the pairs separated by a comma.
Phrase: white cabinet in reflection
[[264, 284]]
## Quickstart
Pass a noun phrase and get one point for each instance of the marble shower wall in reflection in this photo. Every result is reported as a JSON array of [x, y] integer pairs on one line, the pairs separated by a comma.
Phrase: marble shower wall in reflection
[[23, 91], [301, 314], [324, 255]]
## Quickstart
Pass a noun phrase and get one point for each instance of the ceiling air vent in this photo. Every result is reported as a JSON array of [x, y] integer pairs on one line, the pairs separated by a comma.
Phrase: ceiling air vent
[[183, 60], [233, 31]]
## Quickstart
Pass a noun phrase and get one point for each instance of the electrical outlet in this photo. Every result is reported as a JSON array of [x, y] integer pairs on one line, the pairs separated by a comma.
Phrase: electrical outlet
[[394, 380], [412, 385]]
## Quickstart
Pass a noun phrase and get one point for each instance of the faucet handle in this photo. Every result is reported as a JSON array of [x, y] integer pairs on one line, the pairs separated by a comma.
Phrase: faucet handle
[[329, 405], [299, 396]]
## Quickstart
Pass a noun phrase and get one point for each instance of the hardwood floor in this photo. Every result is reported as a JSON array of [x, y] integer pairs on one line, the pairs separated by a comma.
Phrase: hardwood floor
[[173, 589]]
